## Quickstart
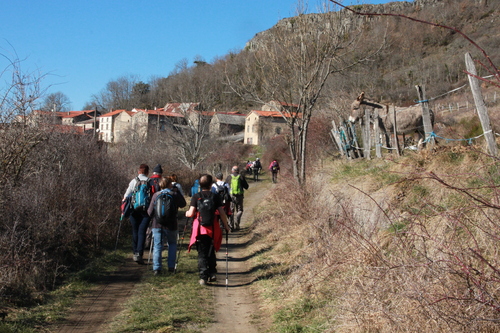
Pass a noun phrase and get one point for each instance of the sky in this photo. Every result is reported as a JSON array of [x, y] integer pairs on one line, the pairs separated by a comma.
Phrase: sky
[[83, 44]]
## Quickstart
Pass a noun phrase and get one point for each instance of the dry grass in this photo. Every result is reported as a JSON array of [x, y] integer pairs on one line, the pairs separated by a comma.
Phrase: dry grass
[[417, 253]]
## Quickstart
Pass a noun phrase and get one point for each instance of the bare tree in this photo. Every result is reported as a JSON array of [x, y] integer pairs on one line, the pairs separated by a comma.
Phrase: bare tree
[[291, 65], [56, 102], [117, 94]]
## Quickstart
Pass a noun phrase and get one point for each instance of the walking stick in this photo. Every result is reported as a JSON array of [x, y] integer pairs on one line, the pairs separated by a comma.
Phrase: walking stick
[[179, 245], [227, 255], [118, 233], [151, 246]]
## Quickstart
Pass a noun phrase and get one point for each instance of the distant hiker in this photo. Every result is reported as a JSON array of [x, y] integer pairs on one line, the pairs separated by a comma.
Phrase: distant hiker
[[237, 184], [140, 191], [248, 167], [207, 208], [222, 189], [274, 167], [196, 187], [166, 229], [155, 178], [175, 184], [257, 166]]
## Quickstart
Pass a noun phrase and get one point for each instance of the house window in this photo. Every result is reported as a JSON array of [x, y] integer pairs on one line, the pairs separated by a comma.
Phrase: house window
[[278, 130], [249, 141], [248, 128], [254, 128]]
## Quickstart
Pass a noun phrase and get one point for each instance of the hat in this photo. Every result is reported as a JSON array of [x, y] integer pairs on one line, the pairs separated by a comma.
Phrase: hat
[[158, 169], [219, 175]]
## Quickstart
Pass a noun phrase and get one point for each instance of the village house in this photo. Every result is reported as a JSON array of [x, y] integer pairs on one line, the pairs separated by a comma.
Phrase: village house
[[227, 125], [264, 124]]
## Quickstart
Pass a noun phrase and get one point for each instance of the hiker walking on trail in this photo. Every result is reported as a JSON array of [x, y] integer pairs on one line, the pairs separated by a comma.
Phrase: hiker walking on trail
[[222, 189], [165, 229], [274, 167], [155, 178], [195, 188], [140, 192], [175, 184], [207, 208], [257, 166], [237, 184]]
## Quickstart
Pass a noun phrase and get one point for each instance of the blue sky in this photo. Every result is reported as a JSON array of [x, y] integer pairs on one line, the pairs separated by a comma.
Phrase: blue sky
[[84, 44]]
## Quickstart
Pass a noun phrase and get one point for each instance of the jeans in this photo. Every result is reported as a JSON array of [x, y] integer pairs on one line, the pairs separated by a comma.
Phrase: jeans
[[139, 222], [159, 235]]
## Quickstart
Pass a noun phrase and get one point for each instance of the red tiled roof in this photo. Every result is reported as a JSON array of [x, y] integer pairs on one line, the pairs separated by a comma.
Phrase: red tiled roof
[[161, 112], [116, 112], [176, 107], [276, 114]]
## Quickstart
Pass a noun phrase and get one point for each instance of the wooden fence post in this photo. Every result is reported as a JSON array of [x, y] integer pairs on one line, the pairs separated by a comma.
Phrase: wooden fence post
[[376, 129], [395, 129], [336, 137], [480, 106], [426, 116], [366, 135]]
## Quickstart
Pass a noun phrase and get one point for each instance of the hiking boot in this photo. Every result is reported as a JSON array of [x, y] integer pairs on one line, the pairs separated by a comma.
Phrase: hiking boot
[[171, 270], [213, 278], [140, 261], [157, 272], [202, 282], [136, 257]]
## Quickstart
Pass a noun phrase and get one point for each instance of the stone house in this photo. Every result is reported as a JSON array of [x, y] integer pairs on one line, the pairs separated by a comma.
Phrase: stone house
[[262, 125], [226, 123], [113, 124]]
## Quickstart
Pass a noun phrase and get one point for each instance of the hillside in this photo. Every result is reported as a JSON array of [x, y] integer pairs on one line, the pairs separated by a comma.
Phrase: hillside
[[413, 53], [386, 245]]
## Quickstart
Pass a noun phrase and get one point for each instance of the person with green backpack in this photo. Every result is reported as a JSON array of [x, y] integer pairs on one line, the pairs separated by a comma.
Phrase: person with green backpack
[[237, 184]]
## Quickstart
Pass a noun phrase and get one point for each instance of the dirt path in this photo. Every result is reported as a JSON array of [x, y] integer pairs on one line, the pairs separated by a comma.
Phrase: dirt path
[[236, 308], [96, 309]]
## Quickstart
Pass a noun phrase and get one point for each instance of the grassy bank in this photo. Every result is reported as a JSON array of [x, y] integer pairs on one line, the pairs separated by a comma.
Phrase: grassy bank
[[385, 246]]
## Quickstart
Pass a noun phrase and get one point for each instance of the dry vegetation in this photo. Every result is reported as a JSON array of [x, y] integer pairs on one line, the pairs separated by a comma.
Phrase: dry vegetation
[[385, 246]]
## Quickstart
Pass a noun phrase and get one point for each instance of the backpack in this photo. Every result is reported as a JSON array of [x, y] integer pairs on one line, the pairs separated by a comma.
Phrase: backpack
[[141, 195], [165, 209], [155, 185], [223, 191], [257, 165], [206, 209], [235, 185]]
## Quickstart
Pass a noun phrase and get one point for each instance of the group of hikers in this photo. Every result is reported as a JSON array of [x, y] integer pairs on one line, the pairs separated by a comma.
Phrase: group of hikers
[[255, 167], [152, 204]]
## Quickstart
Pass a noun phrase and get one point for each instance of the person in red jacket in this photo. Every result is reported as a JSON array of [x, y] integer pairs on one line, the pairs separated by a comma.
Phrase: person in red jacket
[[207, 238]]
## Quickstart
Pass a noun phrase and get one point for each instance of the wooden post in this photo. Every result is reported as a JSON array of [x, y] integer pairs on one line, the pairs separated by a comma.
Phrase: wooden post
[[367, 138], [481, 106], [395, 129], [336, 138], [376, 129], [426, 116]]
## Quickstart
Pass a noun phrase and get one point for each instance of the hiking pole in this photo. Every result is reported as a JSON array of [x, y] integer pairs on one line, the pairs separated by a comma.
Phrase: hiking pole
[[179, 245], [151, 245], [227, 255], [118, 233]]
